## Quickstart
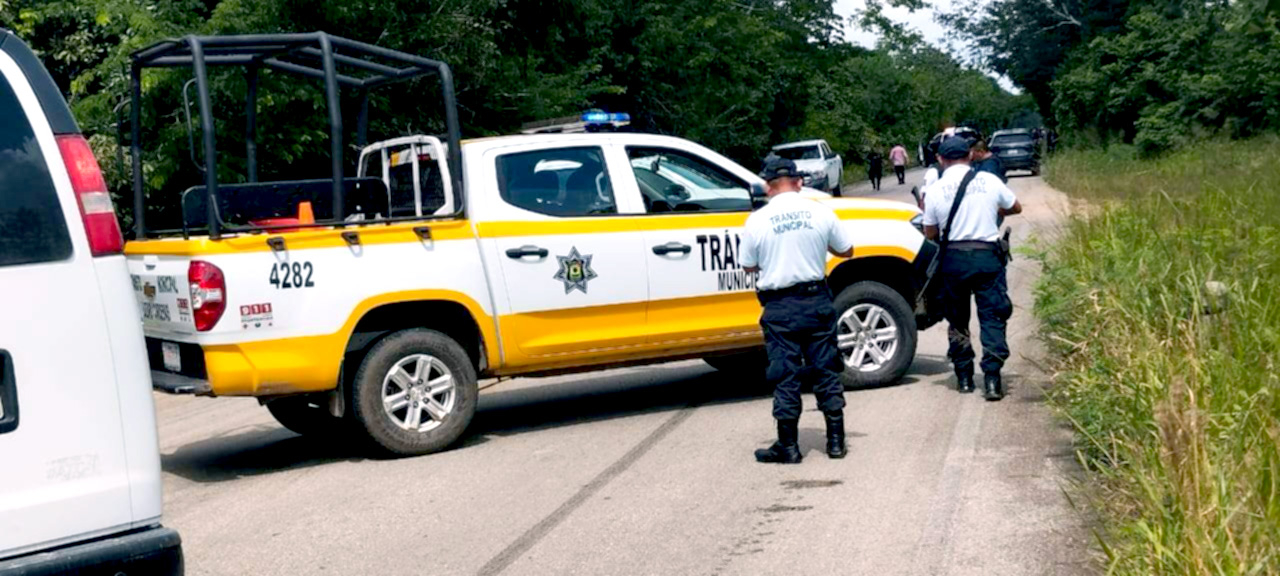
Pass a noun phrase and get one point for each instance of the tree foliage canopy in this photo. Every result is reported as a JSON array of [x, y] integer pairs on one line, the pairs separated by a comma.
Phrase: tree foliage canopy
[[1153, 73], [735, 75]]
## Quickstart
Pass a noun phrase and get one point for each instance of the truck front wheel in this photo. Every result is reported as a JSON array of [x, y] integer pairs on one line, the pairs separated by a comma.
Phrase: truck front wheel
[[876, 334], [415, 392]]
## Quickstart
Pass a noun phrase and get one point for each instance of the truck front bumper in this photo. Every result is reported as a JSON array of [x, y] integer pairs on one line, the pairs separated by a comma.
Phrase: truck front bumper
[[156, 550], [1025, 162]]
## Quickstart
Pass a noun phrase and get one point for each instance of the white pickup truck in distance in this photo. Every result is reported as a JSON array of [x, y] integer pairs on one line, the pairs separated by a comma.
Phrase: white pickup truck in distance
[[561, 253], [824, 168]]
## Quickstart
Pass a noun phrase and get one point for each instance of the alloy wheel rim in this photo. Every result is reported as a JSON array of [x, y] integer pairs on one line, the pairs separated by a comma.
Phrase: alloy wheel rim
[[418, 393], [867, 337]]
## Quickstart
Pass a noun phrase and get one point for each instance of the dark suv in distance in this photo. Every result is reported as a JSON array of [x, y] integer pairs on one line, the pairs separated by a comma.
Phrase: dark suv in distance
[[1017, 150]]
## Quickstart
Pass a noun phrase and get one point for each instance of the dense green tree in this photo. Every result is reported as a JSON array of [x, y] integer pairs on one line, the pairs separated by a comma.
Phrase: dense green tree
[[736, 75], [1154, 73]]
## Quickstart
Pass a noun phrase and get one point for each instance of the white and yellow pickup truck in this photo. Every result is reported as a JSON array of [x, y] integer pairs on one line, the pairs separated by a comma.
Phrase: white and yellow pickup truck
[[565, 252]]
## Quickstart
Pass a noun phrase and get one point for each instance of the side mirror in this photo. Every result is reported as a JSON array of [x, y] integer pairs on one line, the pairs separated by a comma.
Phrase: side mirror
[[759, 196]]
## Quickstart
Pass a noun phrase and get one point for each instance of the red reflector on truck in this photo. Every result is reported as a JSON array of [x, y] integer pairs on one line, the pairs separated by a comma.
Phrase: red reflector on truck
[[96, 209], [208, 294]]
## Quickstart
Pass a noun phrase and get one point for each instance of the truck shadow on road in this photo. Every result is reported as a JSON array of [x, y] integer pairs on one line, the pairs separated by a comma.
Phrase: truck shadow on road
[[511, 408], [262, 449]]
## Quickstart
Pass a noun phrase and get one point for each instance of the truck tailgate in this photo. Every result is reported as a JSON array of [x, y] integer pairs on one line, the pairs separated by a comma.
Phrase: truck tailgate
[[164, 295]]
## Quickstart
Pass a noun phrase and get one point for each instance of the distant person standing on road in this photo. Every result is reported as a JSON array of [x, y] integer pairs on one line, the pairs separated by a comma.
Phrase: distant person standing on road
[[786, 243], [984, 161], [898, 155], [973, 262], [875, 169]]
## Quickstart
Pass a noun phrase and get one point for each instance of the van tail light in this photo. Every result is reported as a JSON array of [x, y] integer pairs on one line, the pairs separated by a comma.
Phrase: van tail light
[[208, 294], [96, 209]]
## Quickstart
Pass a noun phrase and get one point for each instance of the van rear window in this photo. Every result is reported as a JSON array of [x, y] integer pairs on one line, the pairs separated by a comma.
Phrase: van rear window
[[32, 226]]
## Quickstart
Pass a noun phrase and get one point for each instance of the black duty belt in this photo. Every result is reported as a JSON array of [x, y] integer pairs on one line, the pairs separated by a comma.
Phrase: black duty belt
[[801, 289], [971, 245]]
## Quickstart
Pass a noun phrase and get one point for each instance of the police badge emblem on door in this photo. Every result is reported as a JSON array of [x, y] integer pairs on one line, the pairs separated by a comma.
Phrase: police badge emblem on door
[[575, 271]]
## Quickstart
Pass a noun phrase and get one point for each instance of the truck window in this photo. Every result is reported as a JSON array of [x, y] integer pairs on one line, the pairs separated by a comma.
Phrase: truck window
[[676, 181], [432, 181], [807, 152], [32, 226], [400, 183], [400, 176], [557, 182]]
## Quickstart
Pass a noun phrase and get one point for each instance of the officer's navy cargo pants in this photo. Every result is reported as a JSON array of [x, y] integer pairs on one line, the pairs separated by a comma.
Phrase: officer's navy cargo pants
[[980, 274], [800, 338]]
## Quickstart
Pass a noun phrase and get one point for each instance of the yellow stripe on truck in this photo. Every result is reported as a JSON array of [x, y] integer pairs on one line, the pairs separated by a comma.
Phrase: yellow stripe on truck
[[301, 239], [649, 222], [461, 230], [312, 363]]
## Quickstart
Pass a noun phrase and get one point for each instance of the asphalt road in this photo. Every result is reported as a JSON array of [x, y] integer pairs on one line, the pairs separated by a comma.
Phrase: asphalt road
[[649, 471], [889, 187]]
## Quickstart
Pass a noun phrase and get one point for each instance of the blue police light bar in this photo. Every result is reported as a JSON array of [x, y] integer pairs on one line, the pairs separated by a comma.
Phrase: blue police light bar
[[600, 117]]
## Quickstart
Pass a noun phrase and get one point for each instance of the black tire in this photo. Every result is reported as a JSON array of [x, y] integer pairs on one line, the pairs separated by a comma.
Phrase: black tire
[[306, 415], [367, 393], [890, 301], [1035, 170]]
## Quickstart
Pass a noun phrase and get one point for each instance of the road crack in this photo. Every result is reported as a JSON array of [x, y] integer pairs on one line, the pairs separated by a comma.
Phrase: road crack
[[533, 535]]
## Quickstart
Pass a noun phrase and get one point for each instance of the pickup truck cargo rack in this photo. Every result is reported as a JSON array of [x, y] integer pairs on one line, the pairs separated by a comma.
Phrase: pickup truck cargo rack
[[339, 62]]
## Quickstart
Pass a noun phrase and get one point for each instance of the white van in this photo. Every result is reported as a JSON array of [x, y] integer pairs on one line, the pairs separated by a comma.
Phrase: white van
[[79, 460]]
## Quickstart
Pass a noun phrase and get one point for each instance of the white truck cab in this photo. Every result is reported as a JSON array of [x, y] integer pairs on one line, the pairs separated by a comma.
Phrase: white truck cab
[[79, 461], [824, 167], [373, 305]]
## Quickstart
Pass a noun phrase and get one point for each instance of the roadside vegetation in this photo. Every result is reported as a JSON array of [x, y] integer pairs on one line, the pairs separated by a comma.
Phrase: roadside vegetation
[[1161, 302]]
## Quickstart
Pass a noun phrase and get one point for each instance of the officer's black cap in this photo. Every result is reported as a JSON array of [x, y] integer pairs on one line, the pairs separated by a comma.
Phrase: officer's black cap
[[776, 167], [954, 148]]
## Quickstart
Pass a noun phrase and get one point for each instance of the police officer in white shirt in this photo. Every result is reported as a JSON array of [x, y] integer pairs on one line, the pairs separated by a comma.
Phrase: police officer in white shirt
[[973, 263], [786, 243]]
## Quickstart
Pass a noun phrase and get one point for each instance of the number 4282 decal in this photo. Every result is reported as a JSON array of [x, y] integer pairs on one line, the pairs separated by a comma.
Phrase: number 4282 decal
[[291, 275]]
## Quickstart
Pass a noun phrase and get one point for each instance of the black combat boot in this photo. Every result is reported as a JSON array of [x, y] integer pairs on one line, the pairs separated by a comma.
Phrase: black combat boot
[[835, 434], [964, 383], [787, 449], [993, 387]]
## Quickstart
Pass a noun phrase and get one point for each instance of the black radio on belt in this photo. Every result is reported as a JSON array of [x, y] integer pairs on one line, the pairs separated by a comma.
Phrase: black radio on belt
[[801, 289]]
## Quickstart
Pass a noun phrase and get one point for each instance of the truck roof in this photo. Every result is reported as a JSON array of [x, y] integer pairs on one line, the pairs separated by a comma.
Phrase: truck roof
[[536, 139], [799, 143]]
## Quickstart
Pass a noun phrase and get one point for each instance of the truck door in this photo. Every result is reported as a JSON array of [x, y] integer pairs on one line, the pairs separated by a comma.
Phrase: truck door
[[572, 265], [696, 209], [63, 470]]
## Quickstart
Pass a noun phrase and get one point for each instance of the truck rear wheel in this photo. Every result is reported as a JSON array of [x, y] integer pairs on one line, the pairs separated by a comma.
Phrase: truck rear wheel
[[415, 392], [304, 415], [876, 334]]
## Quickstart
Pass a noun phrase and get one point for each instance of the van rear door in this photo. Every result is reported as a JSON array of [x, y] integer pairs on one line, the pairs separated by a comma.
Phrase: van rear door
[[64, 474]]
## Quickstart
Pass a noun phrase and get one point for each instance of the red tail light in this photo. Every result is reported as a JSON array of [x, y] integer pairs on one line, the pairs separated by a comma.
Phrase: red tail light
[[208, 294], [96, 209]]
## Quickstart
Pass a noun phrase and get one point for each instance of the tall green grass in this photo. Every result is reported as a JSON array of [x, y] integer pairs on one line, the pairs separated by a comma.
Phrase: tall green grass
[[1161, 301]]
